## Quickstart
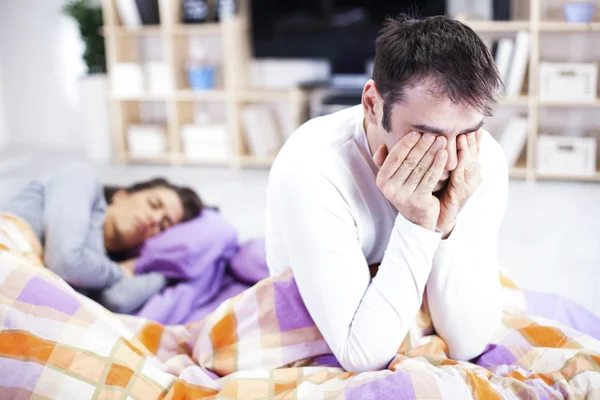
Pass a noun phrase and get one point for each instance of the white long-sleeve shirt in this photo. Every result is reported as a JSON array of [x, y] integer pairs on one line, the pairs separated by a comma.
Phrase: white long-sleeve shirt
[[328, 221]]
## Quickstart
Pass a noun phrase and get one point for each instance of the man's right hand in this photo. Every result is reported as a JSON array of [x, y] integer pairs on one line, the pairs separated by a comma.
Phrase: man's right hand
[[409, 173]]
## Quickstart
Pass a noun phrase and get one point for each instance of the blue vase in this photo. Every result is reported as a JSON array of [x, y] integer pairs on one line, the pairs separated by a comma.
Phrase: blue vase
[[202, 77]]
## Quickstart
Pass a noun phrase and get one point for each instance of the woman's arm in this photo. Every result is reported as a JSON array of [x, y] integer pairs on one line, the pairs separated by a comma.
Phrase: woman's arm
[[364, 321], [71, 198], [464, 292]]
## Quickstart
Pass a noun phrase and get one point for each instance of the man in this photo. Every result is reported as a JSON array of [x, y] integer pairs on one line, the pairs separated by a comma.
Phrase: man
[[408, 181]]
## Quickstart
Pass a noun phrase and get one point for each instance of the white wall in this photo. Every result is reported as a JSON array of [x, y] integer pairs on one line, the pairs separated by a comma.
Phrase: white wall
[[40, 64]]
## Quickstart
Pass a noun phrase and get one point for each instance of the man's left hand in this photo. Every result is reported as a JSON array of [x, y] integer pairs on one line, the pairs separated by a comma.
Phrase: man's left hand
[[464, 180]]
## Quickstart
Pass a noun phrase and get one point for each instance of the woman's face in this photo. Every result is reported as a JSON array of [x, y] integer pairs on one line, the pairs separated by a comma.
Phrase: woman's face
[[133, 218]]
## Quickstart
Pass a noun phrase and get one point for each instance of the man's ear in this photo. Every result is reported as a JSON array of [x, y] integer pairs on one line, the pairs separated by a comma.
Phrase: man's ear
[[371, 102], [119, 196]]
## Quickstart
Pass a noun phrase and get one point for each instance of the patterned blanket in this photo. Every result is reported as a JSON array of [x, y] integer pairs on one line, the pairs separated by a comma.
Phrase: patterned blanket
[[57, 344]]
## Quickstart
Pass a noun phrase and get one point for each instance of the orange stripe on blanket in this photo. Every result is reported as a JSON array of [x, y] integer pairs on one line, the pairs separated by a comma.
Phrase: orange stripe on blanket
[[546, 336], [520, 377], [480, 388], [223, 334], [184, 391], [21, 345], [150, 336]]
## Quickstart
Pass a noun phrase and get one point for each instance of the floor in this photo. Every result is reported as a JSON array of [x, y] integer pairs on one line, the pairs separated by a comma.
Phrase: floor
[[549, 241]]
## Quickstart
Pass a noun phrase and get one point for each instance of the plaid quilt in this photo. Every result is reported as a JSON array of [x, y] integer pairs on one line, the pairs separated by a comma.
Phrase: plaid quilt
[[57, 344]]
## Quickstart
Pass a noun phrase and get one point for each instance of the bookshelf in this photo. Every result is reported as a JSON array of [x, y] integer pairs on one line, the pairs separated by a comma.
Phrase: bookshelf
[[536, 26], [232, 91]]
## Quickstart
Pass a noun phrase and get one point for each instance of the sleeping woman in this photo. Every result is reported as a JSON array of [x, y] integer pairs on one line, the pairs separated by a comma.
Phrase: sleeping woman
[[90, 233]]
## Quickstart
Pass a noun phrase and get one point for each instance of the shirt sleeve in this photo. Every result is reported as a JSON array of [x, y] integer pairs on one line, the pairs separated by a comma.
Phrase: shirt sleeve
[[464, 291], [364, 321], [69, 199]]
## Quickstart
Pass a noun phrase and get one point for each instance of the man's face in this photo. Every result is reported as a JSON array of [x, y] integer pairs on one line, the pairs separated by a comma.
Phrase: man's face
[[425, 112]]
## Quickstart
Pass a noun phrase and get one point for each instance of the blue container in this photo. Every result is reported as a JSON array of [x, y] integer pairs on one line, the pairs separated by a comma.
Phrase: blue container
[[202, 77], [579, 11]]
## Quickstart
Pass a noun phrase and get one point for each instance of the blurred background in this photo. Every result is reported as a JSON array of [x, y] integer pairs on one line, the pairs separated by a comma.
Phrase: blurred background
[[205, 92]]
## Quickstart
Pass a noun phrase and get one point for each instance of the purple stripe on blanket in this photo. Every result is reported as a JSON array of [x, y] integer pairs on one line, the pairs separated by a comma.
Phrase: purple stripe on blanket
[[41, 293], [17, 373], [289, 307], [495, 355], [394, 386], [539, 388]]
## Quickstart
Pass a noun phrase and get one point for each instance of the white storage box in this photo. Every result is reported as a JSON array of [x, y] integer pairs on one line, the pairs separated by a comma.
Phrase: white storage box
[[146, 140], [127, 79], [568, 81], [565, 155], [205, 142], [157, 78]]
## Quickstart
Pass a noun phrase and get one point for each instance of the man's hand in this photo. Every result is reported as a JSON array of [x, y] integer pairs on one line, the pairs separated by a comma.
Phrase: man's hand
[[464, 180], [408, 175], [128, 267]]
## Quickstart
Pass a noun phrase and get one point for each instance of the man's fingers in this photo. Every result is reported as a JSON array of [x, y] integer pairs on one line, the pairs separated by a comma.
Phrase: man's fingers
[[380, 155], [472, 141], [478, 136], [398, 154], [413, 159], [424, 165], [434, 174]]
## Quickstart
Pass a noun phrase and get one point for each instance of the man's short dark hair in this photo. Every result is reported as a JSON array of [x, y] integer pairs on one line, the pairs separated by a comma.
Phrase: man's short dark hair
[[438, 51], [192, 204]]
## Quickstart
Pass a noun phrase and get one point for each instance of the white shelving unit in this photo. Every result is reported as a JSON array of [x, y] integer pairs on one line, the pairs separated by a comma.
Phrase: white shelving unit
[[525, 167]]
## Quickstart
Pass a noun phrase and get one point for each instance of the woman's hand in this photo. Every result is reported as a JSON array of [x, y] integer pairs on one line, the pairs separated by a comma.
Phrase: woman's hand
[[128, 267]]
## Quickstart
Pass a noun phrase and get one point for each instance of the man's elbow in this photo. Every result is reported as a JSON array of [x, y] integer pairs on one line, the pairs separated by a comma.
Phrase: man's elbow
[[473, 343]]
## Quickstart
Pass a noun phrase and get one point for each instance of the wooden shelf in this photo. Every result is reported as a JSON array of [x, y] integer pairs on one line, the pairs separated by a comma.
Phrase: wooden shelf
[[253, 161], [215, 162], [138, 31], [207, 95], [518, 172], [592, 178], [498, 26], [162, 159], [197, 29], [139, 97], [563, 26], [578, 104]]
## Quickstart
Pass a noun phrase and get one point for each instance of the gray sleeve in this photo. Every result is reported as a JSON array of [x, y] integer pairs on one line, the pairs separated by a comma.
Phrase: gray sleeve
[[69, 200], [127, 295]]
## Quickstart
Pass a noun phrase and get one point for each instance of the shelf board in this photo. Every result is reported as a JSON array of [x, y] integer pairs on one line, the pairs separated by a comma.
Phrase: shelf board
[[209, 162], [212, 28], [497, 26], [563, 26], [253, 161], [518, 172], [206, 95], [135, 31], [162, 159], [140, 97], [579, 104], [584, 178]]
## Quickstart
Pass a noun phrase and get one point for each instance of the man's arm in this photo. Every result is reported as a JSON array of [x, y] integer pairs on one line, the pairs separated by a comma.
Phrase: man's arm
[[464, 292], [363, 321], [68, 200]]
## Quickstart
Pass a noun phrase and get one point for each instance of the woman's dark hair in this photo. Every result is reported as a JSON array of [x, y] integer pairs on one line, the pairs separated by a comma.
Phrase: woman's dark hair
[[192, 204], [438, 51]]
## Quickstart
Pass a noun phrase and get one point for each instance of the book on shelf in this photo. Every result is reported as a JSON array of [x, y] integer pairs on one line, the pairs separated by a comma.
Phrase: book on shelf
[[148, 11], [261, 130], [518, 65], [129, 13], [513, 139], [502, 57]]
